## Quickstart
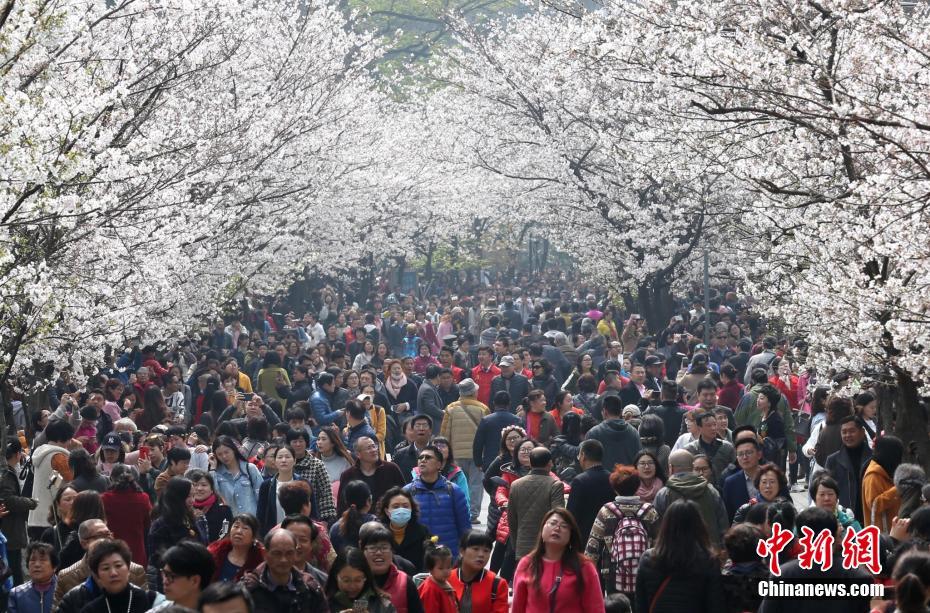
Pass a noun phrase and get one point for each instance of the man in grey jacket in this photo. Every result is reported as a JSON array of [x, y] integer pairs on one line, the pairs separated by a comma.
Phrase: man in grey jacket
[[429, 401]]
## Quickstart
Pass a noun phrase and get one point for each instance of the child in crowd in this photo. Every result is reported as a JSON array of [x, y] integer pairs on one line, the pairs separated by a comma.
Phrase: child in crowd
[[436, 594]]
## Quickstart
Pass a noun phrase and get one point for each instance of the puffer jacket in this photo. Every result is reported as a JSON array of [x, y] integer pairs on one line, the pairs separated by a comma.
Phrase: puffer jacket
[[502, 498], [460, 424], [456, 475], [443, 510]]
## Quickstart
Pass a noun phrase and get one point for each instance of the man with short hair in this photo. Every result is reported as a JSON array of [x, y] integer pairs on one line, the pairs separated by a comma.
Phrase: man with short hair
[[302, 527], [48, 459], [443, 507], [276, 585], [460, 425], [621, 441], [720, 452], [312, 470], [379, 475], [613, 384], [429, 401], [848, 464], [406, 458], [321, 402], [762, 359], [243, 382], [448, 388], [90, 532], [531, 497], [591, 489], [669, 410], [483, 374], [357, 425], [447, 360], [179, 459], [487, 442], [187, 569], [510, 381], [738, 488], [684, 484], [636, 392]]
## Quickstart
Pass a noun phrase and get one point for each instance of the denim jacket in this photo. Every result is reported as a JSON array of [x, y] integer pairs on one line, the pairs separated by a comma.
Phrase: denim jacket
[[239, 492]]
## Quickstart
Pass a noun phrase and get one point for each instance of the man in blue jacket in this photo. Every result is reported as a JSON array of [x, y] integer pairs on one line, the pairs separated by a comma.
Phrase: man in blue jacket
[[488, 436], [321, 403], [443, 509]]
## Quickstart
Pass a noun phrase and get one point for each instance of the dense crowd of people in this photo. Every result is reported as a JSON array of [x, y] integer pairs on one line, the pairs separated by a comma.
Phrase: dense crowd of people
[[341, 461]]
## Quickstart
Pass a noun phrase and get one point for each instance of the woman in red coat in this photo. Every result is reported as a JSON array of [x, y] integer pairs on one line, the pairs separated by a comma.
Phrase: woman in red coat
[[786, 382], [128, 510]]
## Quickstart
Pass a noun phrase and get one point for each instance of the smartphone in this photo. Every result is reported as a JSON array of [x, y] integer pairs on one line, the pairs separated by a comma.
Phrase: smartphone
[[247, 397], [360, 606], [144, 451]]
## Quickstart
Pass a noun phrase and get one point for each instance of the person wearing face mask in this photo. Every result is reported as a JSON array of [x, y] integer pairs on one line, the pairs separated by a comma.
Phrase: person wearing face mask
[[399, 513], [377, 544]]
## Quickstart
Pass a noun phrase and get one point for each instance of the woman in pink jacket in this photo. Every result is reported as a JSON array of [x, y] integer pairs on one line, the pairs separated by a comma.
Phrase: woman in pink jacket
[[555, 576]]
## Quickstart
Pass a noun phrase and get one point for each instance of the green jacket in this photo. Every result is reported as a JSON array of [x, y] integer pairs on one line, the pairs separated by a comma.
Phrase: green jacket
[[748, 413]]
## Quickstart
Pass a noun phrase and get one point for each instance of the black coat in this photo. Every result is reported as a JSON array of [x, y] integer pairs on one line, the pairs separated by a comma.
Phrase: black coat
[[849, 477], [672, 414], [487, 442], [699, 591], [413, 547], [591, 490], [517, 386]]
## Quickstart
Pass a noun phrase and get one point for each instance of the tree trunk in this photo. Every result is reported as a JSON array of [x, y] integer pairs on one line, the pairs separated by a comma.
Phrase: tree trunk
[[900, 413]]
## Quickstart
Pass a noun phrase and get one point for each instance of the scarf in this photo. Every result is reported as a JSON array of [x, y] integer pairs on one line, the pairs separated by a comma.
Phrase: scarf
[[206, 503], [647, 493], [395, 388]]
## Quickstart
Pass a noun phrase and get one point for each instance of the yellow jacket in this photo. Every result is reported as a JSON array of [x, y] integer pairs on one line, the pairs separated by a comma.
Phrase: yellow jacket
[[880, 500]]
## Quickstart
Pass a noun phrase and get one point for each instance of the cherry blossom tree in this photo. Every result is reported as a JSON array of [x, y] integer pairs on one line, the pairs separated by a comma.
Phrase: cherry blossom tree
[[161, 156]]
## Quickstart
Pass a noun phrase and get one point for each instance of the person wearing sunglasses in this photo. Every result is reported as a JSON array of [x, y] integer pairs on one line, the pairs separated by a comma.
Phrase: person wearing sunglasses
[[442, 504]]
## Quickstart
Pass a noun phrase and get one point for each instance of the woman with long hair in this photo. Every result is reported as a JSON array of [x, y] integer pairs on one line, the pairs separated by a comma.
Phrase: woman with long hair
[[556, 576], [86, 505], [382, 354], [584, 365], [210, 511], [350, 383], [237, 480], [344, 532], [680, 573], [154, 409], [365, 357], [129, 510], [772, 427], [377, 416], [333, 453], [880, 499], [239, 551], [60, 518], [510, 438], [86, 475], [565, 445], [350, 580], [173, 522], [909, 481]]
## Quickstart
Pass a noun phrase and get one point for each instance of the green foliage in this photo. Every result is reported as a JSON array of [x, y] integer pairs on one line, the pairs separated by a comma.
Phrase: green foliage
[[415, 28]]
